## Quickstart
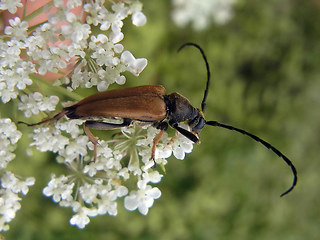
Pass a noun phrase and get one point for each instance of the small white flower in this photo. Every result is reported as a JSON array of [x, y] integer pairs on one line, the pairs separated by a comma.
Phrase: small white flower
[[74, 149], [124, 173], [135, 66], [17, 30], [152, 176], [92, 168], [76, 31], [71, 127], [11, 186], [9, 130], [103, 56], [14, 71], [9, 181], [89, 193], [121, 191], [116, 36], [59, 188], [139, 19], [81, 219], [52, 59], [142, 199], [11, 5], [106, 205], [74, 3], [9, 204], [35, 102], [49, 139], [180, 146], [48, 103], [201, 13], [105, 160], [9, 136]]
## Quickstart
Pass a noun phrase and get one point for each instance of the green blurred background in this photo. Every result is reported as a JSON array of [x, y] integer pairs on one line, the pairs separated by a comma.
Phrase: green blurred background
[[266, 78]]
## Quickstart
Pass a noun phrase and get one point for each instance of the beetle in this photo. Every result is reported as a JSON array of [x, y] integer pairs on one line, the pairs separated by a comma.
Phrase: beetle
[[150, 105]]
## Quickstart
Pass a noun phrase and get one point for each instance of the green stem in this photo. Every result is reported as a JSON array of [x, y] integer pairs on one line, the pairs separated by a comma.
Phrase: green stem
[[57, 89], [31, 29], [38, 11]]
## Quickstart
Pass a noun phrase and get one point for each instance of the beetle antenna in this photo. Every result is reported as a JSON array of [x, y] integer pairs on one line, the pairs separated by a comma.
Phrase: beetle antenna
[[35, 124], [56, 117], [203, 103], [267, 145]]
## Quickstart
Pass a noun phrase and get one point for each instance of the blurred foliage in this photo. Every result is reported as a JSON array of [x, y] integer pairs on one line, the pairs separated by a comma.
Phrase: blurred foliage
[[266, 79]]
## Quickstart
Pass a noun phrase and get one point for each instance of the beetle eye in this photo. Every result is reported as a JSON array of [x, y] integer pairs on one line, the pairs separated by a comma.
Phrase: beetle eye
[[197, 124]]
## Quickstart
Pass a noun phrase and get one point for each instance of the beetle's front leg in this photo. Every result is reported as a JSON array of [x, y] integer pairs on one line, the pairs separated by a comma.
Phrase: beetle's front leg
[[163, 126], [101, 126]]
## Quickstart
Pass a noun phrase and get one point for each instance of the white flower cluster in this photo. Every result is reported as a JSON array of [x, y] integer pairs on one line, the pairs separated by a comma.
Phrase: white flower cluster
[[99, 60], [102, 59], [96, 58], [11, 186], [53, 139], [35, 102], [14, 71], [92, 188], [201, 13], [8, 138], [11, 5]]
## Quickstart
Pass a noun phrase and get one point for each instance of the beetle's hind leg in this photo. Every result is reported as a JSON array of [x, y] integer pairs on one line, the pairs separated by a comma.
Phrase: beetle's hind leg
[[101, 126]]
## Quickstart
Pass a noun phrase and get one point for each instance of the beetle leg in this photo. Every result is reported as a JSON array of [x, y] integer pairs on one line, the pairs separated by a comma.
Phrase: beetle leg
[[101, 126], [163, 126], [155, 142], [108, 126], [185, 132], [173, 138], [117, 134], [93, 139]]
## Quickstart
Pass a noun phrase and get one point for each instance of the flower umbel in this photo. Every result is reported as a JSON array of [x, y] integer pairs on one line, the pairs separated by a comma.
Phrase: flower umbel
[[77, 49], [10, 189], [201, 13], [11, 186], [8, 138], [93, 188]]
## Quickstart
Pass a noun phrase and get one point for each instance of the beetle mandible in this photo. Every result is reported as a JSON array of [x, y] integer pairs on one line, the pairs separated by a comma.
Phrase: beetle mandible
[[150, 105]]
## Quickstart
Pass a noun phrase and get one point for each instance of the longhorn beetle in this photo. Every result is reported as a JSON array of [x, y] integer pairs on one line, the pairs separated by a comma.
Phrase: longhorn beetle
[[150, 105]]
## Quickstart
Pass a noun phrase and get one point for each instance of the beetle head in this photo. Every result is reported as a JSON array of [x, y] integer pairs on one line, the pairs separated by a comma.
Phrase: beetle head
[[198, 122]]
